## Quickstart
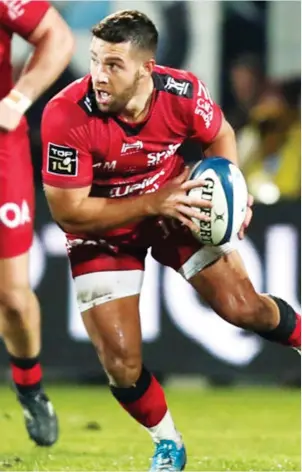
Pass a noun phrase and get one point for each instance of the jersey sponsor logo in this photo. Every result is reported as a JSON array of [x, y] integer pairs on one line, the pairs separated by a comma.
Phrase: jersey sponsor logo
[[13, 215], [131, 148], [204, 105], [62, 160], [86, 103], [105, 166], [179, 87], [147, 185], [158, 157], [15, 8], [167, 83]]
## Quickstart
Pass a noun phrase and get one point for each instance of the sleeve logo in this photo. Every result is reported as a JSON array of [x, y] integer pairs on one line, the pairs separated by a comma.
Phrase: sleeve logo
[[15, 8], [62, 160], [204, 105]]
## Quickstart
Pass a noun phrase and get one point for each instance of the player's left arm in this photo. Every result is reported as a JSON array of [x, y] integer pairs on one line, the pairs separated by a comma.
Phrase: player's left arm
[[215, 133], [223, 143], [43, 27]]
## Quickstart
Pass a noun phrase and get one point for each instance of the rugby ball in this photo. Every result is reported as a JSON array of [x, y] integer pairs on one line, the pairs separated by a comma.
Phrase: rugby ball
[[226, 189]]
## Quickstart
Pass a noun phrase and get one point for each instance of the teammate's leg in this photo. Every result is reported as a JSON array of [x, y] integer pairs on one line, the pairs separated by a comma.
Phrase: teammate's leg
[[19, 308], [20, 330], [115, 330], [225, 285]]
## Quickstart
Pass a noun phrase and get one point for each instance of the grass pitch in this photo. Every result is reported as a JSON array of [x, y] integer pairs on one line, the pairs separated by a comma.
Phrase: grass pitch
[[224, 429]]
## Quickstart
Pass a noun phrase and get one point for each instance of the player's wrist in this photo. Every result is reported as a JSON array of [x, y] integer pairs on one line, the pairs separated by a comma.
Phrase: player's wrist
[[148, 205], [17, 101]]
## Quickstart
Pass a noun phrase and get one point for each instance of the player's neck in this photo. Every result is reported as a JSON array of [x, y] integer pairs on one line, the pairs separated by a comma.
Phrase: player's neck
[[138, 107]]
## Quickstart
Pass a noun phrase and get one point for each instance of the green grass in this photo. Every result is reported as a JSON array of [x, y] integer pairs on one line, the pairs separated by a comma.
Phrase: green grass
[[233, 429]]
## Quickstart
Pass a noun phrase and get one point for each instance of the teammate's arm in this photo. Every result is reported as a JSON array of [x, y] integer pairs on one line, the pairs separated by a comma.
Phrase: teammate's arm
[[53, 46], [43, 27]]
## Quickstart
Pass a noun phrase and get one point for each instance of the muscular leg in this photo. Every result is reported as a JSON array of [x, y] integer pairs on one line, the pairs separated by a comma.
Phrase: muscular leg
[[20, 330], [226, 287], [114, 328], [19, 309]]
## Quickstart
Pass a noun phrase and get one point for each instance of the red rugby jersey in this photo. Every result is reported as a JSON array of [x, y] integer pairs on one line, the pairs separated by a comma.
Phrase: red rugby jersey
[[83, 146]]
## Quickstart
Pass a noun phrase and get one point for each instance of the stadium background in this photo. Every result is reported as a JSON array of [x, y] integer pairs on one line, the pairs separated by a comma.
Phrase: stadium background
[[249, 55]]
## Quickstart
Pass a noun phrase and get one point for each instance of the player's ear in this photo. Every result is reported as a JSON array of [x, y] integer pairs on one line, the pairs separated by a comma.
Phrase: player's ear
[[147, 68]]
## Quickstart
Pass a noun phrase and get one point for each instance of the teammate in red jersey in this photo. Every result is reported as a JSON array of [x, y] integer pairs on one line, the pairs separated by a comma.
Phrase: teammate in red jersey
[[116, 184], [41, 25]]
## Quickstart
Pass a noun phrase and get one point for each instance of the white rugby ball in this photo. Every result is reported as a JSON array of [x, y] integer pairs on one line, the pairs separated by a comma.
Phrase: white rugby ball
[[226, 189]]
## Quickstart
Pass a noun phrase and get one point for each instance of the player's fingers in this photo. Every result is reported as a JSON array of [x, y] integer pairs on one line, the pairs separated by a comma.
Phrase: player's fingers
[[250, 201], [241, 233], [198, 202], [187, 222], [190, 184], [192, 212], [248, 217], [183, 176]]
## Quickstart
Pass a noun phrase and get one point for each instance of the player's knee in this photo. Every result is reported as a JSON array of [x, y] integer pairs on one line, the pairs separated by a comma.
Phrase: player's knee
[[15, 301], [246, 310], [122, 370]]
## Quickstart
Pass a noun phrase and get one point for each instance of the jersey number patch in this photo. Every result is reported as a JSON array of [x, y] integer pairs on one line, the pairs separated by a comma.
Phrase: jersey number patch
[[62, 160]]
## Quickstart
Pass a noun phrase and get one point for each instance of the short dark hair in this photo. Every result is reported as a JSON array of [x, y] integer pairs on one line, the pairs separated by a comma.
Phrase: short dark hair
[[128, 25]]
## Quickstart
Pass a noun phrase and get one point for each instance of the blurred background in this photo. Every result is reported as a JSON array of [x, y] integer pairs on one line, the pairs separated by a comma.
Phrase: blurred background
[[249, 55]]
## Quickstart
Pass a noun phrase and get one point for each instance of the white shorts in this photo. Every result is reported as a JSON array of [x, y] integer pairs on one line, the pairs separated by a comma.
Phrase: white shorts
[[97, 287]]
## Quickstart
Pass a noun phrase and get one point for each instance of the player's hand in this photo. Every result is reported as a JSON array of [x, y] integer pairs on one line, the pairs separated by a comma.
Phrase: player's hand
[[248, 217], [172, 200], [9, 118]]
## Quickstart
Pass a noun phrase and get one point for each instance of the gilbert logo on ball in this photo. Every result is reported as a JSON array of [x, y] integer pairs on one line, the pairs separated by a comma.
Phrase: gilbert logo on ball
[[226, 189]]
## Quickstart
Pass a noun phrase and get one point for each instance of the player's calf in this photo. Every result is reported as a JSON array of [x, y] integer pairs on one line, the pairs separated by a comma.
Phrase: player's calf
[[268, 316], [20, 329], [225, 285], [138, 392], [114, 328], [20, 321], [287, 331]]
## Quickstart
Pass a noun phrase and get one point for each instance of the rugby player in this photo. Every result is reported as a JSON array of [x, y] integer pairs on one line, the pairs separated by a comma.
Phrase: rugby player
[[42, 26], [117, 185]]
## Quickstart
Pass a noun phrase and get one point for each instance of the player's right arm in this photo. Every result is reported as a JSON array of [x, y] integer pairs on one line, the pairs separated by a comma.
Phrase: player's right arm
[[67, 177]]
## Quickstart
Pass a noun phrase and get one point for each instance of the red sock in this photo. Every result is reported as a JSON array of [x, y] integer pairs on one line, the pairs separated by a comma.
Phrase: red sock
[[150, 409], [145, 401], [26, 373], [295, 338]]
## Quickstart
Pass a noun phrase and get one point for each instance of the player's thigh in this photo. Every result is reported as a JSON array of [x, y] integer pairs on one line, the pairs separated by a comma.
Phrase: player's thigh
[[16, 195], [108, 283], [216, 272], [115, 330], [174, 246]]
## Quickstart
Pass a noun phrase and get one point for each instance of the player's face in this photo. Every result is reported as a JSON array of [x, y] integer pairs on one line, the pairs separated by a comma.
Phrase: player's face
[[116, 70]]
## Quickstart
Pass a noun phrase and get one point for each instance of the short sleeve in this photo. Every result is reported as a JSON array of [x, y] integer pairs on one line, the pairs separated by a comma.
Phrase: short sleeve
[[206, 115], [67, 162], [23, 16]]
